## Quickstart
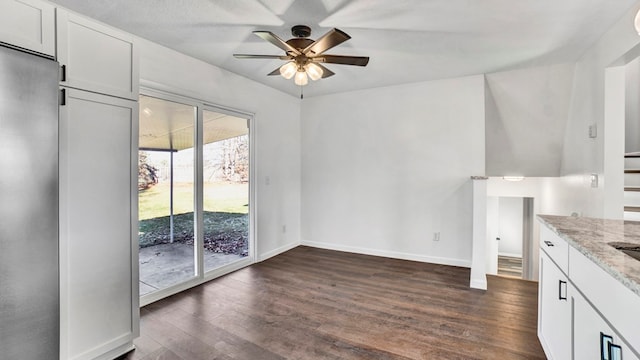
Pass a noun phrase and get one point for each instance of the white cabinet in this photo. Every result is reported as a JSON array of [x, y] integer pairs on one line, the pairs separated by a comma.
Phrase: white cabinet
[[602, 297], [29, 24], [96, 57], [580, 305], [588, 331], [554, 320], [98, 189], [98, 222]]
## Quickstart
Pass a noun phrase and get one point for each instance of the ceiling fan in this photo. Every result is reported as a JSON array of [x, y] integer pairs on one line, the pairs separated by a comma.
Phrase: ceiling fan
[[304, 56]]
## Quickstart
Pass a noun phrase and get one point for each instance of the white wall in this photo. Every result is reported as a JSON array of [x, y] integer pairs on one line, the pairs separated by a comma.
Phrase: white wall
[[510, 227], [384, 169], [632, 109], [527, 112], [277, 134], [583, 156]]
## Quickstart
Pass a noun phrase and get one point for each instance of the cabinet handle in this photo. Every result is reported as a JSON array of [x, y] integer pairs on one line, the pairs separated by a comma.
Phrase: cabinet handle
[[63, 73], [609, 350], [63, 97], [548, 243], [615, 352], [560, 296]]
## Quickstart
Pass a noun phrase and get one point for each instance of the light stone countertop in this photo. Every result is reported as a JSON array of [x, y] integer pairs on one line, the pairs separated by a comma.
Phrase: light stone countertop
[[592, 236]]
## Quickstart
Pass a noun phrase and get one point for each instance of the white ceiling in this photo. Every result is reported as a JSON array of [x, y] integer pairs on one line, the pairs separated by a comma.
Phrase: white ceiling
[[407, 40]]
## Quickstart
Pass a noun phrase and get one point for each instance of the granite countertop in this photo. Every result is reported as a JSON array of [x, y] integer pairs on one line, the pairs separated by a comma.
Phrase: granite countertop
[[592, 236]]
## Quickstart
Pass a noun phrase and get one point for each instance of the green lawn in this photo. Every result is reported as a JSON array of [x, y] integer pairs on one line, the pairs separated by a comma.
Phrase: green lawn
[[218, 197], [226, 220], [223, 232]]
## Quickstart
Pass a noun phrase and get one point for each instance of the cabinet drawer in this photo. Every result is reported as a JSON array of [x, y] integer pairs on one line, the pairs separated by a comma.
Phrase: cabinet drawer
[[556, 247], [28, 24], [617, 304]]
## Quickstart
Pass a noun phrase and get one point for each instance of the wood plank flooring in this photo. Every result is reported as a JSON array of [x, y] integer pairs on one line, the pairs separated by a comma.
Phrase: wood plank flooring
[[510, 266], [318, 304]]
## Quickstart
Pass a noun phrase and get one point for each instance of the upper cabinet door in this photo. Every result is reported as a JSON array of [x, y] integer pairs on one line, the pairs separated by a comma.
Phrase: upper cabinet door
[[29, 24], [96, 57]]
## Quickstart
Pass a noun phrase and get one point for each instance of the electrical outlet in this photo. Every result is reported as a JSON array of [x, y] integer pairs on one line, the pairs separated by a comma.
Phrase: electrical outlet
[[593, 131], [436, 236], [267, 180]]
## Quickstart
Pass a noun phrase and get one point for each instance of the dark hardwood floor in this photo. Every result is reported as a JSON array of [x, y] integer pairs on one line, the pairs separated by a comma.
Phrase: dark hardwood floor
[[318, 304]]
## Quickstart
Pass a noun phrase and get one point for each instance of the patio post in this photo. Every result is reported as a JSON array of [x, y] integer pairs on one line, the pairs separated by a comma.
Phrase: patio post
[[171, 197]]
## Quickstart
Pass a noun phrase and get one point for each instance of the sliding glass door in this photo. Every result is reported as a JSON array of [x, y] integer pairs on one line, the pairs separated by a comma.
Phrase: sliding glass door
[[165, 193], [193, 193], [225, 188]]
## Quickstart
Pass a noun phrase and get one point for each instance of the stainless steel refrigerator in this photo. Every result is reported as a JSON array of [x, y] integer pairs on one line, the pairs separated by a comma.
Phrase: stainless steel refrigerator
[[29, 295]]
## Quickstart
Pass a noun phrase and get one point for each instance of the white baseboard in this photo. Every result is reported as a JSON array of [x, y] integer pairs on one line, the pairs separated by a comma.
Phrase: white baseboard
[[109, 350], [278, 251], [478, 284], [388, 254]]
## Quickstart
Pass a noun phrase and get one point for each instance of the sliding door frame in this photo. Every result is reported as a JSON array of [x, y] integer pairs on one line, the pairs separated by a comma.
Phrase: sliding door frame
[[200, 275]]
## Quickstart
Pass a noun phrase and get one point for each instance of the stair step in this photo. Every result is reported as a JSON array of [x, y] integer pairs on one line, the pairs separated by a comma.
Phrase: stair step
[[632, 162], [632, 155], [631, 216], [632, 188], [632, 171], [632, 208]]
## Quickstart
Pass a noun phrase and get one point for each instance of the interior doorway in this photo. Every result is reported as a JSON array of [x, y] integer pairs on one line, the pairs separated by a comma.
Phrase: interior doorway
[[510, 234]]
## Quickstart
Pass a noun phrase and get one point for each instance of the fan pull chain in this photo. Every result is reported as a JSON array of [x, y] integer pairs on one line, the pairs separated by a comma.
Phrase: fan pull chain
[[301, 92]]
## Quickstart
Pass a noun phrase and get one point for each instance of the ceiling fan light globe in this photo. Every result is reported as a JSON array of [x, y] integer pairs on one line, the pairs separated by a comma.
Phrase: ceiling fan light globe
[[301, 78], [288, 70], [314, 71], [636, 22]]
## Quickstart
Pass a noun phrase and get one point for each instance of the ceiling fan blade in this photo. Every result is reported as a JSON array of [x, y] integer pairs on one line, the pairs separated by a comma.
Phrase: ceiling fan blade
[[325, 72], [274, 72], [275, 40], [249, 56], [332, 38], [343, 60]]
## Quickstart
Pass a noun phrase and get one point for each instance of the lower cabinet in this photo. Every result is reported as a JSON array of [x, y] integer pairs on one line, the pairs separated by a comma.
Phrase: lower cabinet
[[554, 321], [98, 226], [584, 313], [592, 335]]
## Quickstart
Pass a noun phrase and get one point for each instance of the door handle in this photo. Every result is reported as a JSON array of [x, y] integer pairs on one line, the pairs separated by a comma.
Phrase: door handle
[[548, 243], [560, 286]]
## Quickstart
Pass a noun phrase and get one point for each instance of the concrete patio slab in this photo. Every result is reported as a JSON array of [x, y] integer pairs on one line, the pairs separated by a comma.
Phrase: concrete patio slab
[[168, 264]]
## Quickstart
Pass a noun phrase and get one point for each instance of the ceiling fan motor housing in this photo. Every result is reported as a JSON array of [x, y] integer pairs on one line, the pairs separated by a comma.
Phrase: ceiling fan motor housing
[[301, 31]]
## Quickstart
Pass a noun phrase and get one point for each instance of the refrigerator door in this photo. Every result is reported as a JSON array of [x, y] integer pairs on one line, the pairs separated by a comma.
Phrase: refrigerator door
[[29, 296]]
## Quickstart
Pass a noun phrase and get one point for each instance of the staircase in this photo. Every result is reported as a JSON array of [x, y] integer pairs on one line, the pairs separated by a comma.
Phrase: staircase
[[632, 186]]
